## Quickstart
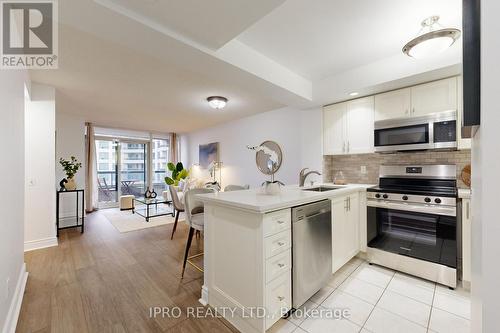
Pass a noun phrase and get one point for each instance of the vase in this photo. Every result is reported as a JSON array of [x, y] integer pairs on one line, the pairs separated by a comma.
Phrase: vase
[[272, 188], [71, 184], [147, 194]]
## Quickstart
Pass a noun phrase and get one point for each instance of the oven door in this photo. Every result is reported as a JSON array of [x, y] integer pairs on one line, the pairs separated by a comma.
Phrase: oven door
[[417, 231], [408, 137]]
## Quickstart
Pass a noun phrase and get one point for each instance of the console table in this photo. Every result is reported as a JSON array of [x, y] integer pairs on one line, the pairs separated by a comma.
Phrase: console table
[[82, 225]]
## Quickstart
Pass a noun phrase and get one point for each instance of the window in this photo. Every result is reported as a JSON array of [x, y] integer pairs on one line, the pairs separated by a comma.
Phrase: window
[[103, 156], [159, 163]]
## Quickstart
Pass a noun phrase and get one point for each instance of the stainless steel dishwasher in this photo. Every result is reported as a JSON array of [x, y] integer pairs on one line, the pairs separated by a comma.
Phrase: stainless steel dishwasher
[[311, 249]]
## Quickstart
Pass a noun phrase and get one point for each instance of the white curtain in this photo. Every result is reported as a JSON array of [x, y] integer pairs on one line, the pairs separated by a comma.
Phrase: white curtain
[[174, 154], [91, 188]]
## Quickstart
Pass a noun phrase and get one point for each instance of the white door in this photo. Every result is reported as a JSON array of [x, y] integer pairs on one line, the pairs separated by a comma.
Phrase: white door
[[434, 97], [339, 223], [334, 129], [393, 104], [360, 126]]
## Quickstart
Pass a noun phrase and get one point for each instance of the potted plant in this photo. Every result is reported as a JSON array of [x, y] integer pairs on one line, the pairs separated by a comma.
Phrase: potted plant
[[178, 173], [70, 168]]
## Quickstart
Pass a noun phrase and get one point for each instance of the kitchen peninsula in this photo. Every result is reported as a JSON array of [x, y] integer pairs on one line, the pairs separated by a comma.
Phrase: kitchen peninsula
[[248, 246]]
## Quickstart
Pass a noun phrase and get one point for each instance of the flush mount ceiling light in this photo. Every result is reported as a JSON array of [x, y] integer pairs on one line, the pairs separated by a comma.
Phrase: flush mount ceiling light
[[217, 102], [432, 39]]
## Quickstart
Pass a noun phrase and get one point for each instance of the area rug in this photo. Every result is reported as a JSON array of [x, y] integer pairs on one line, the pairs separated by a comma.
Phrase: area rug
[[125, 221]]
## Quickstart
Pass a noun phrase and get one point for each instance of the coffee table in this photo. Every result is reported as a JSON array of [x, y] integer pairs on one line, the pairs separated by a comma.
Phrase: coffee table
[[150, 211]]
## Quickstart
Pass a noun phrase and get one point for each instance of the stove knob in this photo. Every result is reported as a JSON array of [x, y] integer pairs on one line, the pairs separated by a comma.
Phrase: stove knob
[[437, 200], [405, 197], [427, 199], [377, 195], [385, 196]]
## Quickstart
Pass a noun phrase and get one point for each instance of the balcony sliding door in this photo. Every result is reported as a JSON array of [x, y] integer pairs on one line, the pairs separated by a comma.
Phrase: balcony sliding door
[[107, 172], [133, 168]]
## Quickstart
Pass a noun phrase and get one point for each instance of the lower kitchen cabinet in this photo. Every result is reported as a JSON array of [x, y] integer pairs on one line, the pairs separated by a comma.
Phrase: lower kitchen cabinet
[[345, 229], [466, 241]]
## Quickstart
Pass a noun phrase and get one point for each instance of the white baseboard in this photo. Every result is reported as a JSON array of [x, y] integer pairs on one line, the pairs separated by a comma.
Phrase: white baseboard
[[40, 244], [17, 300]]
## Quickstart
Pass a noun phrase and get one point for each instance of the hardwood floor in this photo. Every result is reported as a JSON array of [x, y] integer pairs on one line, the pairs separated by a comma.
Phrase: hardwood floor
[[106, 281]]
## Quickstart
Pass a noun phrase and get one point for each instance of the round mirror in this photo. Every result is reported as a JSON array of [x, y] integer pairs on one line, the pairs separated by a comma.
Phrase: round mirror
[[268, 157]]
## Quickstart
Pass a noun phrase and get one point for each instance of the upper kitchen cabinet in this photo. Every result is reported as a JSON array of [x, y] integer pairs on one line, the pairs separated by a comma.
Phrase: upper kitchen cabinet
[[434, 97], [348, 127], [334, 129], [393, 104]]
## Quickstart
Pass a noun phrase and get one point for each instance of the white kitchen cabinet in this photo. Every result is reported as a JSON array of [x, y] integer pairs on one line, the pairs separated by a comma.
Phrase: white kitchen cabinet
[[393, 104], [360, 126], [432, 97], [348, 127], [334, 129], [466, 240], [345, 229]]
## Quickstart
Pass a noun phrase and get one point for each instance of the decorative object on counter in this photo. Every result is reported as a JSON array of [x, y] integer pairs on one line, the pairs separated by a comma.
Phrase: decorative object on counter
[[62, 184], [208, 153], [465, 175], [213, 168], [339, 178], [178, 173], [268, 158], [153, 194], [70, 168], [147, 194]]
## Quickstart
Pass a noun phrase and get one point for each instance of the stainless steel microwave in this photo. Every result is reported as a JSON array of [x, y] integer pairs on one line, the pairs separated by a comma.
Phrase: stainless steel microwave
[[433, 131]]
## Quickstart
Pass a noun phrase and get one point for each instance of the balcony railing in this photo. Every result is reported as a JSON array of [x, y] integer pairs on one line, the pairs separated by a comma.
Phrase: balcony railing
[[132, 182]]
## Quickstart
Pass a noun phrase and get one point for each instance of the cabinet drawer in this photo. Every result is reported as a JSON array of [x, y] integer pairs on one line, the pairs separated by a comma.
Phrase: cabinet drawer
[[278, 264], [278, 243], [278, 298], [275, 222]]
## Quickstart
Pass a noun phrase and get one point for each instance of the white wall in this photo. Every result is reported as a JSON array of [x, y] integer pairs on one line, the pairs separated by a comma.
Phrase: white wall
[[39, 225], [70, 141], [12, 194], [486, 182], [297, 132]]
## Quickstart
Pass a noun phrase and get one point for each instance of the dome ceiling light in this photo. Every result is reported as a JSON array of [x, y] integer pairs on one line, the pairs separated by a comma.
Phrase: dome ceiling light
[[217, 102], [432, 39]]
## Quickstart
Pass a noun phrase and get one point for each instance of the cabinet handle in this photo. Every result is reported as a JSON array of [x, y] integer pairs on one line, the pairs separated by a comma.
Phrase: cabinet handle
[[281, 222], [343, 148], [413, 110], [349, 203], [281, 265], [281, 243], [348, 146], [281, 298], [345, 204], [467, 211]]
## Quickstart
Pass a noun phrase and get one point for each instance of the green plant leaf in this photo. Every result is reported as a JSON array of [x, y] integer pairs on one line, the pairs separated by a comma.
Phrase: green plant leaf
[[171, 166], [175, 173], [179, 167], [169, 181], [183, 174]]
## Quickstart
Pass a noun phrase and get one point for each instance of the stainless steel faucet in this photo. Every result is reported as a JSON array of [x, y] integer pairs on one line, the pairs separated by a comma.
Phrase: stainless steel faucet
[[303, 176]]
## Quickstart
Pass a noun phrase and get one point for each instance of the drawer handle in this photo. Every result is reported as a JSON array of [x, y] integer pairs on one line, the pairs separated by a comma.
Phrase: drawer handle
[[281, 298], [281, 222], [281, 265], [281, 243]]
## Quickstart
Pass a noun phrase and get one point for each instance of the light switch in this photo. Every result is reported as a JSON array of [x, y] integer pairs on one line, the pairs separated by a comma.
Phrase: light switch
[[363, 169], [31, 182]]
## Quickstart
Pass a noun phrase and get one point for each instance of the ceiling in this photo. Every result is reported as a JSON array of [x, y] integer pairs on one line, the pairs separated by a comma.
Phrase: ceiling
[[150, 64], [321, 38]]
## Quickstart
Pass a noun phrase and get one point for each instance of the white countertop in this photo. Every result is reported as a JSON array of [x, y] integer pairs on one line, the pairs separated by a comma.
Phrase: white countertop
[[255, 200], [464, 193]]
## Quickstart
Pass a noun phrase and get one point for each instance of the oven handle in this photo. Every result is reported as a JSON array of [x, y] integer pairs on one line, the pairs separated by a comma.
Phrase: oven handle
[[427, 209]]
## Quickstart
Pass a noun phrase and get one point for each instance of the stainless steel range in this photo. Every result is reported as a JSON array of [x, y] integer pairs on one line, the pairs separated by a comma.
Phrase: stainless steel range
[[412, 221]]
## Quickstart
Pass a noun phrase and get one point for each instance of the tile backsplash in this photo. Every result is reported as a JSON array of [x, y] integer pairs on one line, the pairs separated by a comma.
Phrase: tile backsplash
[[350, 165]]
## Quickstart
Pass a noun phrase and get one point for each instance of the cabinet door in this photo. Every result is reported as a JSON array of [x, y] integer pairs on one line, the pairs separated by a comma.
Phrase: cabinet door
[[352, 227], [434, 97], [360, 126], [393, 104], [334, 129], [466, 240], [339, 223], [463, 143]]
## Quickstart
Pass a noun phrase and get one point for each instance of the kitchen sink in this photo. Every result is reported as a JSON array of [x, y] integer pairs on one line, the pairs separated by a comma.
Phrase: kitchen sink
[[321, 188]]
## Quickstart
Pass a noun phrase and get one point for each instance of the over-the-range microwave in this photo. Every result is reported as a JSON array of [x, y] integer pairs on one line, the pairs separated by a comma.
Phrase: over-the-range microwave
[[433, 131]]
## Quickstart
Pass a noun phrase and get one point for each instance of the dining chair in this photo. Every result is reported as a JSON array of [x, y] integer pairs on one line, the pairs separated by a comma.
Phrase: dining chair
[[195, 218], [178, 206], [229, 188]]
